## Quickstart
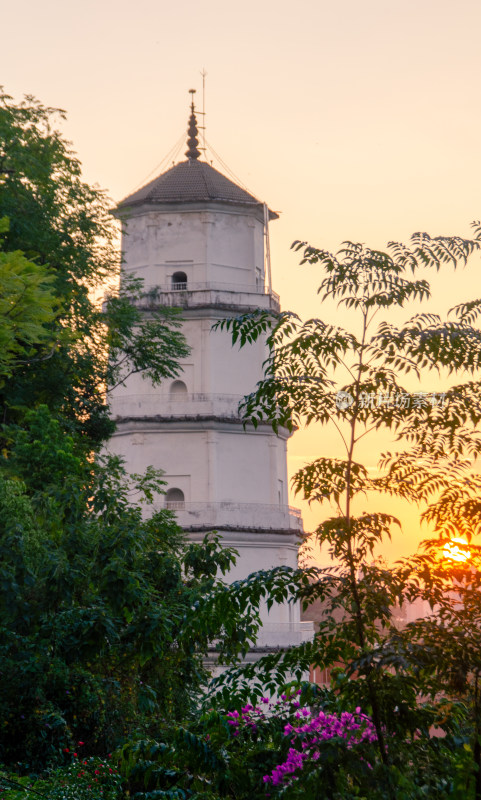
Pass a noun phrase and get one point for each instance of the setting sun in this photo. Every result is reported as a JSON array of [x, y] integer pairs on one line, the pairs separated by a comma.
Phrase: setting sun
[[455, 550]]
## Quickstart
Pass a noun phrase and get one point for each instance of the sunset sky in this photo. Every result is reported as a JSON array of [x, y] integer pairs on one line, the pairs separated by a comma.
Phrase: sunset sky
[[354, 120]]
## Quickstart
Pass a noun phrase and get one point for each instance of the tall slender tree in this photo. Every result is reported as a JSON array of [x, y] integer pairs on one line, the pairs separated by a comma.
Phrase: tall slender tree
[[355, 381]]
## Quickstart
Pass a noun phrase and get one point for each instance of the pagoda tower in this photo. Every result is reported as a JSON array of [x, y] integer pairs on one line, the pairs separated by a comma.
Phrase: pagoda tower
[[199, 240]]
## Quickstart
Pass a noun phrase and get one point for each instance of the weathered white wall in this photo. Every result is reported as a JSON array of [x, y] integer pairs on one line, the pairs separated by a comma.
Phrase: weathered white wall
[[220, 246]]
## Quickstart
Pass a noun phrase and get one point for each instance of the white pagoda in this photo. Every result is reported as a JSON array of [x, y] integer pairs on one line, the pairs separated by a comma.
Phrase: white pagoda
[[199, 239]]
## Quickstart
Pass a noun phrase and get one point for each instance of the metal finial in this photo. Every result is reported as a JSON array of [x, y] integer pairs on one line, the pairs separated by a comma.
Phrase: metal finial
[[193, 151]]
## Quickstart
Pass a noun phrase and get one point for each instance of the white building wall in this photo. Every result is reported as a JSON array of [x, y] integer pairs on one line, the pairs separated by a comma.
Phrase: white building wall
[[213, 367], [219, 247], [224, 467], [234, 480]]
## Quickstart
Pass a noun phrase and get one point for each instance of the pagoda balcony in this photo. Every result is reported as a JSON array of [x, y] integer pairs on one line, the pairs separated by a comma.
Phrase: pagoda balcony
[[201, 295], [191, 515], [172, 405], [285, 634]]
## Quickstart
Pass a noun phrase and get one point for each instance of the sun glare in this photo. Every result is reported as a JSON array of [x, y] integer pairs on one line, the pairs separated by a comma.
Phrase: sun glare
[[456, 549]]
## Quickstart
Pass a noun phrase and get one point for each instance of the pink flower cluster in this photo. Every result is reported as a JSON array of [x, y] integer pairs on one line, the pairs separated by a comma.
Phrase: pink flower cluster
[[353, 728], [250, 716], [235, 719], [309, 731]]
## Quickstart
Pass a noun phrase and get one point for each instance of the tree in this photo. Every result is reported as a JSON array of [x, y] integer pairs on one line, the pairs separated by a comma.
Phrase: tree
[[64, 227], [358, 638]]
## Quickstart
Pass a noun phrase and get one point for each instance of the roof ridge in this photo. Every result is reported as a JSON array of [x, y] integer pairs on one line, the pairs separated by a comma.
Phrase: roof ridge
[[204, 177]]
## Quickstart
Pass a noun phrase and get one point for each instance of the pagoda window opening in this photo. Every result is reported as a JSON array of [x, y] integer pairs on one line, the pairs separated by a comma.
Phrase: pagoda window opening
[[178, 391], [174, 498], [179, 281]]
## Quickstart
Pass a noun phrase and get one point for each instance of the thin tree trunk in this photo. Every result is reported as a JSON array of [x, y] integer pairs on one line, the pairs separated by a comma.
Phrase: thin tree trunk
[[376, 713], [477, 746]]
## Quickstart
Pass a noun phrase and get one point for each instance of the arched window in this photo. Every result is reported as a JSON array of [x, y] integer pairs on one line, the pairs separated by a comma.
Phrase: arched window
[[179, 280], [178, 390], [174, 499]]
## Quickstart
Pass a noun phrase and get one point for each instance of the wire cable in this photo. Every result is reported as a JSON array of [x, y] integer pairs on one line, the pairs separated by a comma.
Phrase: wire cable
[[172, 154], [227, 169]]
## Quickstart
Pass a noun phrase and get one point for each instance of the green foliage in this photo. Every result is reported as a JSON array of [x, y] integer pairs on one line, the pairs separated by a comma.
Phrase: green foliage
[[27, 306], [89, 778]]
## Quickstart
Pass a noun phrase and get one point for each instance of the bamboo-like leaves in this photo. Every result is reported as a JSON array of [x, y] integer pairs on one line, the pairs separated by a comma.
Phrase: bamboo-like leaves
[[467, 313], [326, 479], [297, 387], [356, 537], [428, 343], [457, 511]]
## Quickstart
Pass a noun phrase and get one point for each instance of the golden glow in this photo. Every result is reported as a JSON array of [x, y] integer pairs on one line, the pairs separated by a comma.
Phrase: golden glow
[[454, 552]]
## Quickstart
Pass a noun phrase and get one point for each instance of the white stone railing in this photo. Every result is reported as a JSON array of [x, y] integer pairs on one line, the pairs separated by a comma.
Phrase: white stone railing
[[168, 405], [249, 288], [245, 515], [285, 634], [201, 294]]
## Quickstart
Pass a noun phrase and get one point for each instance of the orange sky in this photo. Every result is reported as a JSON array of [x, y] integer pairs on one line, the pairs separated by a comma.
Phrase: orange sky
[[354, 120]]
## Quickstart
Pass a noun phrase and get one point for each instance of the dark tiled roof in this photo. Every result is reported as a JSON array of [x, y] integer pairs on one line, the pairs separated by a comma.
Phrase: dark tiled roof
[[191, 181]]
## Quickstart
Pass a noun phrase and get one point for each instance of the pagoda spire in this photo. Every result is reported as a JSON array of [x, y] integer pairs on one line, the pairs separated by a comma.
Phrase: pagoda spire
[[193, 151]]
